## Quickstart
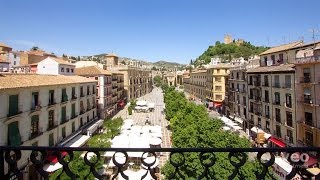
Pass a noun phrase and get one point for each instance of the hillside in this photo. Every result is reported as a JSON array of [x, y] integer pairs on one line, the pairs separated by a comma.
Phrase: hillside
[[165, 65], [230, 51]]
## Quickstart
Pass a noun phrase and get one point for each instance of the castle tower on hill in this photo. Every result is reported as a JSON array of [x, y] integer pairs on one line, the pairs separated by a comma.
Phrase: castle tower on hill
[[111, 60], [228, 39]]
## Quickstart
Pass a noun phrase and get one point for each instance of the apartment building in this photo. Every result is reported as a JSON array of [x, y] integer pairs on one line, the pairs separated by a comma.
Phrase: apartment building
[[44, 110], [4, 57], [271, 105], [186, 83], [216, 77], [198, 80], [307, 62], [55, 66], [237, 95], [170, 78], [104, 88]]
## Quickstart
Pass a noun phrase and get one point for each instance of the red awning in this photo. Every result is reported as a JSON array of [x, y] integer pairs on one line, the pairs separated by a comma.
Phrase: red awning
[[217, 104], [277, 142], [54, 158], [311, 161]]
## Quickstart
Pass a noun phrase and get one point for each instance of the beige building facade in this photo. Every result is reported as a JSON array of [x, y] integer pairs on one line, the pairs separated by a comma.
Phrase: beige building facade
[[198, 80], [44, 112], [216, 78]]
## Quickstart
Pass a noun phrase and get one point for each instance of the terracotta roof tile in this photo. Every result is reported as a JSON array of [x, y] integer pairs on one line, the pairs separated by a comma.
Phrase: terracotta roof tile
[[9, 81], [91, 70], [61, 61], [4, 45], [267, 69], [282, 47]]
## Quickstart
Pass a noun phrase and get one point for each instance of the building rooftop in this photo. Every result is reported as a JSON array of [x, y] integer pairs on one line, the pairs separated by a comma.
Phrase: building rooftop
[[267, 69], [111, 55], [4, 45], [198, 71], [91, 70], [61, 61], [222, 65], [283, 47], [10, 81]]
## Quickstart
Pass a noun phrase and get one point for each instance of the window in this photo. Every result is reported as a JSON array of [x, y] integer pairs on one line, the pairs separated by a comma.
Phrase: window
[[73, 92], [93, 89], [268, 126], [289, 137], [218, 71], [280, 61], [259, 122], [14, 138], [51, 140], [81, 91], [34, 125], [73, 110], [244, 102], [276, 81], [289, 119], [308, 118], [277, 98], [88, 90], [73, 126], [35, 100], [63, 132], [51, 97], [250, 80], [14, 62], [62, 69], [64, 96], [63, 114], [278, 131], [218, 88], [267, 111], [13, 105], [287, 81], [81, 122], [266, 80], [88, 105], [273, 58], [265, 60], [51, 118], [266, 96], [68, 70], [218, 97], [218, 79], [307, 95], [72, 70], [288, 101], [309, 138], [306, 75], [278, 117]]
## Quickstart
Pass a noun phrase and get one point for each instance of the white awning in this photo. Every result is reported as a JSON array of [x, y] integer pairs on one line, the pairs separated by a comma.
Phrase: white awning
[[151, 105], [236, 127], [238, 120], [142, 103], [99, 123], [267, 136], [78, 141], [257, 130], [92, 129], [225, 119], [52, 167]]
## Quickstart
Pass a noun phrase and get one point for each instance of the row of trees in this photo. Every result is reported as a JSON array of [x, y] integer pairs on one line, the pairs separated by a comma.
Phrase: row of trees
[[193, 128], [229, 51], [78, 166]]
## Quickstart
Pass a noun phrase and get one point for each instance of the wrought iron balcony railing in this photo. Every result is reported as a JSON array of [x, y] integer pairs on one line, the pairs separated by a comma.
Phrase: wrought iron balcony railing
[[10, 157]]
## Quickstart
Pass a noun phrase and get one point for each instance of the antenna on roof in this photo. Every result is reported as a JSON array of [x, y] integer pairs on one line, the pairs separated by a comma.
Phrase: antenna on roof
[[314, 34]]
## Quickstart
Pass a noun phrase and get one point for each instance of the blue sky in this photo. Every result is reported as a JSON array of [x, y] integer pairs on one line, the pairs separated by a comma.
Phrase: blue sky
[[152, 30]]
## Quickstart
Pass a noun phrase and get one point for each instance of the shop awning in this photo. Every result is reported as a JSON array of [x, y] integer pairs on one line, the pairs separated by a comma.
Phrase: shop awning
[[99, 123], [54, 159], [256, 130], [78, 141], [311, 161], [217, 104], [239, 120], [277, 142]]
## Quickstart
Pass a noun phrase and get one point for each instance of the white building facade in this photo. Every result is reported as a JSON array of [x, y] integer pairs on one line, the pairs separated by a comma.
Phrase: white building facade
[[55, 66]]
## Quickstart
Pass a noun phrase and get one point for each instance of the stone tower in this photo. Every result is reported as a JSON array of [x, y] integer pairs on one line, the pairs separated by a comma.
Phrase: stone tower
[[228, 39], [111, 60]]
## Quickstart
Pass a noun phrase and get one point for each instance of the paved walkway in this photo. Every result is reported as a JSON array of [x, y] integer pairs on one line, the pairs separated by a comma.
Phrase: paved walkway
[[156, 118]]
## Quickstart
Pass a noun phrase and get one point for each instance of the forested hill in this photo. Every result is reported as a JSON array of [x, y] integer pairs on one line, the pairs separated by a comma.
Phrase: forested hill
[[229, 51]]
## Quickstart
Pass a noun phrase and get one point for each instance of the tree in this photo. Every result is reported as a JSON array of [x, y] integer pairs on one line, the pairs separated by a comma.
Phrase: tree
[[34, 48], [123, 62], [78, 58], [157, 80], [192, 127]]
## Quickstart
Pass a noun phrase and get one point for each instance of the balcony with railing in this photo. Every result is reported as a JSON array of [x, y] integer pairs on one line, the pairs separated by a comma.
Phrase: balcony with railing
[[64, 120], [305, 79], [36, 107], [276, 85], [51, 102], [305, 60], [52, 125], [236, 159], [74, 97], [276, 103], [35, 134]]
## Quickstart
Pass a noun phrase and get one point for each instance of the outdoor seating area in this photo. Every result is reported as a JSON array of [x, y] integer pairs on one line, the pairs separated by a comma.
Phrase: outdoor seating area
[[230, 125], [144, 106], [134, 136]]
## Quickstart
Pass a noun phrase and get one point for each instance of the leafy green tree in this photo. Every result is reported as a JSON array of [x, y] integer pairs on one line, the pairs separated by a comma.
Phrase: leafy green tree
[[34, 48], [192, 127]]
